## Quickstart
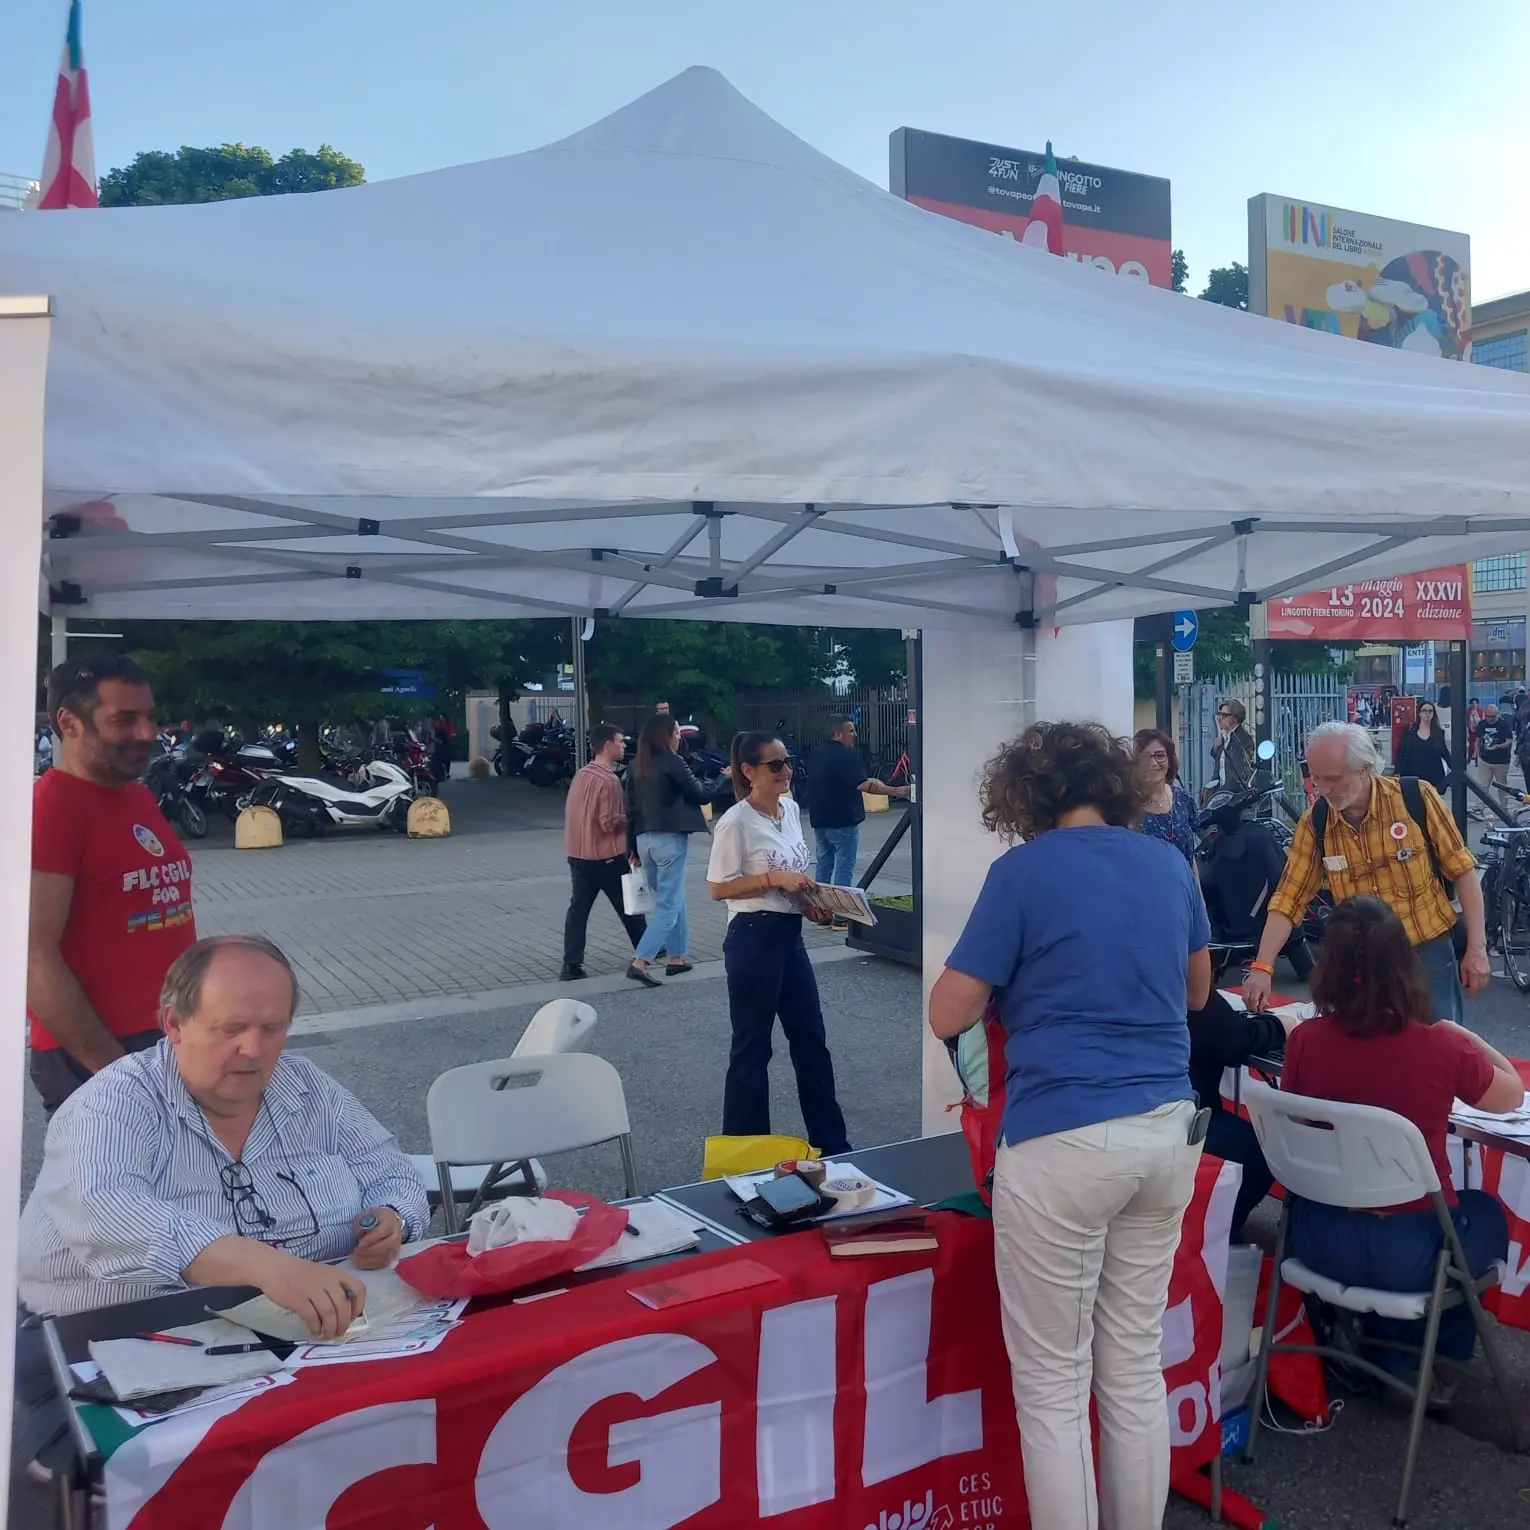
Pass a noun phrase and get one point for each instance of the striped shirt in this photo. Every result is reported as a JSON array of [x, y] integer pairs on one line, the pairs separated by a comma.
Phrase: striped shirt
[[130, 1189], [595, 816], [1385, 857]]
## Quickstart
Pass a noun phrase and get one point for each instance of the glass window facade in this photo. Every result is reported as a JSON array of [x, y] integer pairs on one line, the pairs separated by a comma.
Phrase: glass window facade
[[1497, 655], [1510, 352], [1505, 572]]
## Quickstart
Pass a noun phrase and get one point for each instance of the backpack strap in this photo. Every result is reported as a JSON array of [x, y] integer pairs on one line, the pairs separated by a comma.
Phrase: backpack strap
[[1413, 800], [1320, 825]]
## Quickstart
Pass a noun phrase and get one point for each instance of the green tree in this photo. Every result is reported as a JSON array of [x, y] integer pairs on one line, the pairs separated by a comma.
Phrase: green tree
[[1179, 269], [231, 170], [250, 675], [1228, 285], [700, 666]]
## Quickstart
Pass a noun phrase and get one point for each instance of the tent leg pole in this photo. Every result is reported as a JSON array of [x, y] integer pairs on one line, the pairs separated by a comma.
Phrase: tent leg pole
[[1458, 734], [60, 637], [581, 706]]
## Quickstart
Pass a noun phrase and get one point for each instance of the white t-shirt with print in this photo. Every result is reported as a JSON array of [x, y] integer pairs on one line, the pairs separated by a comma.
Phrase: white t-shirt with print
[[745, 843]]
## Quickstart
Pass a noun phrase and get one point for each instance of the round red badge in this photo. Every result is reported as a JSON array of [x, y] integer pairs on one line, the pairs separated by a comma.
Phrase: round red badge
[[1399, 831]]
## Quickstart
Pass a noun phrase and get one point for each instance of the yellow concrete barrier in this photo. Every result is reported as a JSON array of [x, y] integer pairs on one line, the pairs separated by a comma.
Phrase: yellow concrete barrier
[[874, 803], [479, 769], [429, 819], [258, 828]]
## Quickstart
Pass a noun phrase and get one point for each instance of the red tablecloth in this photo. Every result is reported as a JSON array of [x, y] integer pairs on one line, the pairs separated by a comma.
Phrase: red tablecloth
[[849, 1392]]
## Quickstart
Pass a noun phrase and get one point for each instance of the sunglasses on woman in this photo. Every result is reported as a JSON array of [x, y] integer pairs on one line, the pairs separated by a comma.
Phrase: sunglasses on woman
[[775, 767]]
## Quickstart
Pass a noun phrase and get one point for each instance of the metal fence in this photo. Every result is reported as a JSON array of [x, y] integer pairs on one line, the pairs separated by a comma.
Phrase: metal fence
[[1299, 703], [803, 716], [15, 190]]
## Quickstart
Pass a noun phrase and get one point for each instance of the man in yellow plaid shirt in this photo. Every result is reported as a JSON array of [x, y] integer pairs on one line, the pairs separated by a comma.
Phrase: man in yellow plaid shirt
[[1371, 844]]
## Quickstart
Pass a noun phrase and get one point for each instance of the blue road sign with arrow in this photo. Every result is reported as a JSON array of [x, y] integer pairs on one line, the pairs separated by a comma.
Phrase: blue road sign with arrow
[[1184, 631]]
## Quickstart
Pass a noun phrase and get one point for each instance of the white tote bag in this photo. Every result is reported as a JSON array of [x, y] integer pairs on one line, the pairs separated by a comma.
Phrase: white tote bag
[[637, 895]]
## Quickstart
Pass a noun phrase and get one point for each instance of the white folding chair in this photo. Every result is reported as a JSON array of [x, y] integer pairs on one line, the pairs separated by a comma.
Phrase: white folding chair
[[563, 1025], [513, 1110], [1363, 1158]]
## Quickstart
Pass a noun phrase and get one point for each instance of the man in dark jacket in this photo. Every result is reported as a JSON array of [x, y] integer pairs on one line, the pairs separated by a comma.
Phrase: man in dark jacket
[[836, 781]]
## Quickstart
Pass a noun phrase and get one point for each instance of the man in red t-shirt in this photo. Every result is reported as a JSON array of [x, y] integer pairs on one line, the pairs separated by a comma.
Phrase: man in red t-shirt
[[111, 883]]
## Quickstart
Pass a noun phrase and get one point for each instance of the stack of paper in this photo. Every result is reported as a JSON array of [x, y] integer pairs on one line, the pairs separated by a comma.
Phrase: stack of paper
[[389, 1298], [1509, 1123], [143, 1368], [656, 1229]]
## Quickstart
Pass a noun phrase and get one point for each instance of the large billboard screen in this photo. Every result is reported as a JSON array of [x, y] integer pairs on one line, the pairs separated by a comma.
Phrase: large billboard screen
[[1113, 219], [1369, 278], [1436, 604]]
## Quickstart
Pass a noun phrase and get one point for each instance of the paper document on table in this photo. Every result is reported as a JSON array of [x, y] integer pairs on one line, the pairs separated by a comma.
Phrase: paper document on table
[[843, 902], [142, 1368], [659, 1230], [744, 1187], [389, 1297], [1509, 1123]]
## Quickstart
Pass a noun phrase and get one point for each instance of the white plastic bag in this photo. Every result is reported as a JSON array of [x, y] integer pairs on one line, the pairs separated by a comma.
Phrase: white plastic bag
[[637, 895], [521, 1219]]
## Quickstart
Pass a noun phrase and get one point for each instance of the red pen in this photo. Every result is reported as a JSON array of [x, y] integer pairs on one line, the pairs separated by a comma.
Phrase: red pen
[[167, 1338]]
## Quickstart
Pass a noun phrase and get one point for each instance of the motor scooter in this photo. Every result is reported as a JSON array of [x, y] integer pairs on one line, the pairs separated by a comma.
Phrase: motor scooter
[[1241, 861], [378, 794]]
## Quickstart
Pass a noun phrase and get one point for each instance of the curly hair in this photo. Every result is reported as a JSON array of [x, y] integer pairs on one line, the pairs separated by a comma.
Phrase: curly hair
[[1054, 767], [1369, 978]]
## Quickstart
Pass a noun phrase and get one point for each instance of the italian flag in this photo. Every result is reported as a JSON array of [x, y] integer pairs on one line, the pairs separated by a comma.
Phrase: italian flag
[[1045, 230], [69, 170]]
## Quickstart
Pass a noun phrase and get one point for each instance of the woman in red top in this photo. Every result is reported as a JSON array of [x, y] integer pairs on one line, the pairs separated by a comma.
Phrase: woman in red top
[[1370, 1045]]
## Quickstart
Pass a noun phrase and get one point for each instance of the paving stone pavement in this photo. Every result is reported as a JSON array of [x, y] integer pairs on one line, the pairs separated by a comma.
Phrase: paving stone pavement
[[370, 918]]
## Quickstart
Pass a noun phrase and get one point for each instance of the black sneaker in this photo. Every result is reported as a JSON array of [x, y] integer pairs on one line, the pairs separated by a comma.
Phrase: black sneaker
[[572, 973]]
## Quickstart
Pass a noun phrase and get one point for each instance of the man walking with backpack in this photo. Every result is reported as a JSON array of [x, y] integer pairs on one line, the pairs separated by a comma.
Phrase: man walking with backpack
[[1390, 837]]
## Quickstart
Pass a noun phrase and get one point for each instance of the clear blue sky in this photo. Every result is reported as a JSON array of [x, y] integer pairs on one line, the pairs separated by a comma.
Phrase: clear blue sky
[[1394, 109]]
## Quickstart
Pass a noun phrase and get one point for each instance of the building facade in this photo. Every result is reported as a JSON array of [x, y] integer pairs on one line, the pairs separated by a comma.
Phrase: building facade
[[1500, 600]]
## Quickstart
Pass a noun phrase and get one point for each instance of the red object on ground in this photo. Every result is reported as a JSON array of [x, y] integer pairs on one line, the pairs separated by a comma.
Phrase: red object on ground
[[1236, 1509]]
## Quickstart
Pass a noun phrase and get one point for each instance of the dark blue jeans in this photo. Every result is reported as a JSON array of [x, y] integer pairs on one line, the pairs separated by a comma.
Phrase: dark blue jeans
[[769, 976], [1231, 1137], [1397, 1253]]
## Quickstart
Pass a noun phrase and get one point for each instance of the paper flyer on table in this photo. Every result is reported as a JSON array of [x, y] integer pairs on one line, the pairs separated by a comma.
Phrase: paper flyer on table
[[744, 1185], [1508, 1123], [144, 1368], [659, 1230], [389, 1298]]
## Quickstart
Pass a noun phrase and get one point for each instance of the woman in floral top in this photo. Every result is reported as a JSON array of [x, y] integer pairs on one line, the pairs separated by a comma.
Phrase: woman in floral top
[[1169, 813]]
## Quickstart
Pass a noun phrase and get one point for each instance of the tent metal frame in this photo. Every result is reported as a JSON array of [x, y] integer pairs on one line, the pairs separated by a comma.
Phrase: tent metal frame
[[449, 553]]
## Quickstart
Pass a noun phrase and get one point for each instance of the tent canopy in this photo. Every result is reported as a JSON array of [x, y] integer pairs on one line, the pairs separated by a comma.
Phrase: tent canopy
[[682, 364]]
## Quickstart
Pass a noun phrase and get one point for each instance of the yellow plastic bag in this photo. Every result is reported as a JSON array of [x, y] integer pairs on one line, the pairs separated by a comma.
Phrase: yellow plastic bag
[[748, 1155]]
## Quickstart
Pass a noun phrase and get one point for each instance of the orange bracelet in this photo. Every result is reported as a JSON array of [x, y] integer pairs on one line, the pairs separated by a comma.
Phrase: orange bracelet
[[1263, 967]]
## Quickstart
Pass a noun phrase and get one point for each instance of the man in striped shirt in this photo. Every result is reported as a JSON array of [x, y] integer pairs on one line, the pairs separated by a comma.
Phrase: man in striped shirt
[[595, 837], [217, 1159]]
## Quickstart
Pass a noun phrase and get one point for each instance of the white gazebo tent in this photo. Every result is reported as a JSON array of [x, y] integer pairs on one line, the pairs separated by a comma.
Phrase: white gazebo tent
[[683, 365]]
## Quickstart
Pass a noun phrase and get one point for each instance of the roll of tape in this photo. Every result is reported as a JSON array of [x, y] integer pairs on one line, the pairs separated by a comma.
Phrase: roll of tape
[[850, 1193], [812, 1171]]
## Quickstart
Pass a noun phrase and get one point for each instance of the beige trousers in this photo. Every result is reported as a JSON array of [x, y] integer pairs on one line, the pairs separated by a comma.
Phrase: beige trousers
[[1085, 1227]]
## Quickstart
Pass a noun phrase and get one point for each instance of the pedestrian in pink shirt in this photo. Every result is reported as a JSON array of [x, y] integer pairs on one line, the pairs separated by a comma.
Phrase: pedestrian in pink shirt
[[595, 836]]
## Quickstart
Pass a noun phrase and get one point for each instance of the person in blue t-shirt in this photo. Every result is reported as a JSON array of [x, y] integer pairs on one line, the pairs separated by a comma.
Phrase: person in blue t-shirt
[[1092, 940]]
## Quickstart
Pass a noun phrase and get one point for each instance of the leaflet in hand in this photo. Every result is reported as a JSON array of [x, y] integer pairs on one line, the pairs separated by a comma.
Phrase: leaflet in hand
[[842, 902]]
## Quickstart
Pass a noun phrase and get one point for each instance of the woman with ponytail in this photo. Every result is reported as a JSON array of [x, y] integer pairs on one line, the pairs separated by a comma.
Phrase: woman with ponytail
[[759, 868], [1373, 1043]]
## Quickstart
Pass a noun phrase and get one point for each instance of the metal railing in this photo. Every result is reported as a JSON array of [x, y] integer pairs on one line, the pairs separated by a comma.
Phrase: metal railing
[[15, 191]]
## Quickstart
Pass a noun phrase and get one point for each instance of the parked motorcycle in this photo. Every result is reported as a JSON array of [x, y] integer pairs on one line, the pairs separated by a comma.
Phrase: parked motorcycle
[[1241, 860], [227, 771], [165, 781], [379, 794], [551, 761]]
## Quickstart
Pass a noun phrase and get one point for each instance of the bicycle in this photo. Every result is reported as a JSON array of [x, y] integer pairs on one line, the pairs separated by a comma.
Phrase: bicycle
[[901, 767], [1521, 811], [1506, 899]]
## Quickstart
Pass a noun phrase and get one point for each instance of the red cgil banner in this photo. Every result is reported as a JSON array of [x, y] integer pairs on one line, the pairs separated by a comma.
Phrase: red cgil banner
[[848, 1393], [1434, 603]]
